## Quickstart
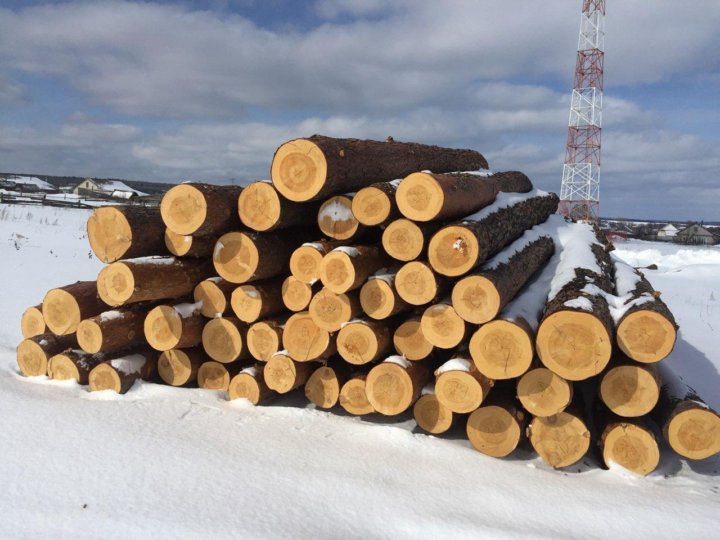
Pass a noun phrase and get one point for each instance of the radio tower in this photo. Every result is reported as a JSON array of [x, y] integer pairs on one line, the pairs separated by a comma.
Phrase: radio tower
[[580, 190]]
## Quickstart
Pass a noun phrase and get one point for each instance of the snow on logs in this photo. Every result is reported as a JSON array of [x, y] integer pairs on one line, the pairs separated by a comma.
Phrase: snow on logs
[[120, 374], [250, 384]]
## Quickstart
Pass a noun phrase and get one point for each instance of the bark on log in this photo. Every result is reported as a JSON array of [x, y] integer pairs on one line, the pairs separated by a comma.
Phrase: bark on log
[[503, 349], [497, 427], [65, 307], [418, 284], [225, 340], [393, 386], [126, 232], [305, 341], [375, 205], [34, 353], [442, 326], [113, 330], [214, 293], [184, 245], [126, 282], [319, 166], [200, 209], [406, 240], [120, 374], [459, 386], [283, 374], [410, 342], [323, 387], [178, 367], [250, 384], [379, 297], [336, 220], [353, 397], [296, 294], [431, 415], [630, 390], [365, 341], [174, 327], [330, 311], [347, 268], [261, 208], [264, 338], [458, 248], [254, 301], [32, 322], [560, 440], [216, 375], [544, 393], [305, 261], [74, 365]]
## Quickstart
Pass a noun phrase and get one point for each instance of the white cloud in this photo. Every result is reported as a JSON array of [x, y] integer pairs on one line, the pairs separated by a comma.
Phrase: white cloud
[[11, 92]]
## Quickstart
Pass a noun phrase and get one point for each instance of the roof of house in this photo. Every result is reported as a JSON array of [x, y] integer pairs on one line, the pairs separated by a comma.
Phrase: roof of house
[[698, 230], [32, 180], [669, 228], [114, 185]]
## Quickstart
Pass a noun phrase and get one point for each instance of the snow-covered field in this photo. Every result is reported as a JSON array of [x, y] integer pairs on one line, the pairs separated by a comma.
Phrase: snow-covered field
[[185, 463]]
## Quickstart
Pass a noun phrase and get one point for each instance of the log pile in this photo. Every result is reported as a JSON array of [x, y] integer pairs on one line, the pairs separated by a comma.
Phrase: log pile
[[375, 277]]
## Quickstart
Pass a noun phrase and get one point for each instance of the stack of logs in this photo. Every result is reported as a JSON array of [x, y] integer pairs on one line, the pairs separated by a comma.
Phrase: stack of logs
[[371, 283]]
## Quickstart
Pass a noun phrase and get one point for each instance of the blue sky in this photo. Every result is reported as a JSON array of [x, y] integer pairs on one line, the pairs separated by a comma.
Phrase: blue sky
[[175, 91]]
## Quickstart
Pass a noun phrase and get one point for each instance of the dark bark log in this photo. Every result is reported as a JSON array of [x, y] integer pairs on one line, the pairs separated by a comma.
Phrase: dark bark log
[[263, 209], [188, 245], [73, 364], [375, 205], [63, 308], [119, 374], [33, 353], [113, 330], [406, 240], [201, 209], [125, 232]]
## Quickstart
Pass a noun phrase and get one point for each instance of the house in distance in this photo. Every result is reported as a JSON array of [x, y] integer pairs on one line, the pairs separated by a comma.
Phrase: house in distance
[[106, 188]]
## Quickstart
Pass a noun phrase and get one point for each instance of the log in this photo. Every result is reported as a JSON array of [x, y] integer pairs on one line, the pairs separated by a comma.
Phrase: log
[[442, 326], [185, 245], [406, 240], [503, 349], [336, 220], [393, 386], [200, 209], [305, 341], [560, 440], [379, 298], [329, 311], [431, 415], [459, 386], [479, 298], [125, 232], [353, 397], [112, 330], [214, 294], [296, 294], [250, 384], [264, 338], [319, 166], [225, 340], [410, 342], [261, 208], [283, 374], [630, 390], [63, 308], [305, 261], [364, 341], [34, 353], [174, 327], [497, 427], [178, 367], [120, 374], [216, 376], [458, 248], [254, 301], [543, 393], [628, 443], [418, 284], [73, 364], [323, 387], [140, 280], [375, 205], [32, 322], [346, 268]]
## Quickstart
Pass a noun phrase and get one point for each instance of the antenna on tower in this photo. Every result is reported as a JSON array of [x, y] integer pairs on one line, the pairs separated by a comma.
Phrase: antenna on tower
[[580, 190]]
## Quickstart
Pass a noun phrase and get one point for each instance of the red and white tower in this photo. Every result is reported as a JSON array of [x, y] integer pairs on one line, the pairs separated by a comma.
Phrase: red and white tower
[[580, 190]]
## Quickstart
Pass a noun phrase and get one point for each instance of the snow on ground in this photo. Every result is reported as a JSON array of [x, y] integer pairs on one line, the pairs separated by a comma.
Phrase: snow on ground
[[187, 463]]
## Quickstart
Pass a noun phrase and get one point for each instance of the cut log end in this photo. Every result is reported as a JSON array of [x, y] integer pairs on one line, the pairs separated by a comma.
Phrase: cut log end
[[442, 326], [32, 323], [459, 391], [177, 367], [337, 272], [476, 299], [177, 244], [296, 294], [574, 344], [62, 368], [304, 340], [104, 377], [416, 283], [630, 390], [329, 311], [222, 340], [213, 376], [358, 343], [163, 328], [646, 336], [543, 393], [403, 240], [501, 350], [419, 197], [453, 251], [109, 233], [90, 336], [299, 170], [282, 374], [410, 341], [632, 447], [323, 388], [305, 264], [32, 359], [494, 431], [61, 312], [236, 257], [371, 206], [214, 300], [336, 220], [247, 303], [389, 389], [183, 209], [559, 440], [246, 386], [378, 299], [116, 284], [263, 340], [694, 432], [259, 206], [431, 415], [353, 397]]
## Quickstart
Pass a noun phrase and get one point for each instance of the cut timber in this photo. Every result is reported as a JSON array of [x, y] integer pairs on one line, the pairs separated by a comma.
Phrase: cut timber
[[296, 294], [125, 232], [215, 375], [305, 341], [261, 208], [630, 390], [283, 374], [406, 240], [323, 386], [33, 353], [264, 338], [418, 284], [379, 298], [330, 311], [214, 295], [348, 267], [336, 220], [32, 322], [560, 440], [362, 341], [442, 326], [225, 340], [200, 209], [73, 365], [255, 301], [460, 386], [393, 386], [318, 166], [120, 374], [496, 429], [112, 330], [431, 415], [479, 298], [353, 397], [503, 349], [65, 307], [630, 445], [184, 245], [543, 393], [306, 260], [174, 327], [375, 204], [179, 367], [126, 282], [458, 248], [250, 384], [410, 341]]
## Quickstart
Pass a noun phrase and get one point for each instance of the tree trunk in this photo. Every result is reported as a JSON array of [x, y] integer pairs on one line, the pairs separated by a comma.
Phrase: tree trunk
[[120, 374], [329, 311], [283, 374], [65, 307], [498, 426], [32, 322], [458, 248], [503, 349], [630, 390], [544, 393], [201, 209], [305, 341], [254, 301], [126, 232], [178, 367], [323, 387], [393, 386], [250, 384], [112, 330], [410, 341], [34, 353], [431, 415], [182, 245], [418, 284], [296, 294], [375, 205], [216, 376], [174, 327], [73, 365], [379, 297], [263, 209], [347, 268], [560, 440], [215, 294], [336, 220], [317, 167], [353, 397], [442, 326], [406, 240], [459, 386], [365, 341], [306, 260], [264, 338], [225, 340]]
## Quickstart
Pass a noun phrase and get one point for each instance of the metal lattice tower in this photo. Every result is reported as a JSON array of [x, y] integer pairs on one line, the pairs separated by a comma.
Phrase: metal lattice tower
[[580, 190]]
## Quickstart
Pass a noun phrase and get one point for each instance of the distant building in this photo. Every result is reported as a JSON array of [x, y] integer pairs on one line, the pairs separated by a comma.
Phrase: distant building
[[27, 184], [106, 188], [667, 233], [697, 235]]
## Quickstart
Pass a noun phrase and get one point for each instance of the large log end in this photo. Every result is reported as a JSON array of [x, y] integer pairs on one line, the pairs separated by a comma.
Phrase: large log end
[[646, 336], [299, 169]]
